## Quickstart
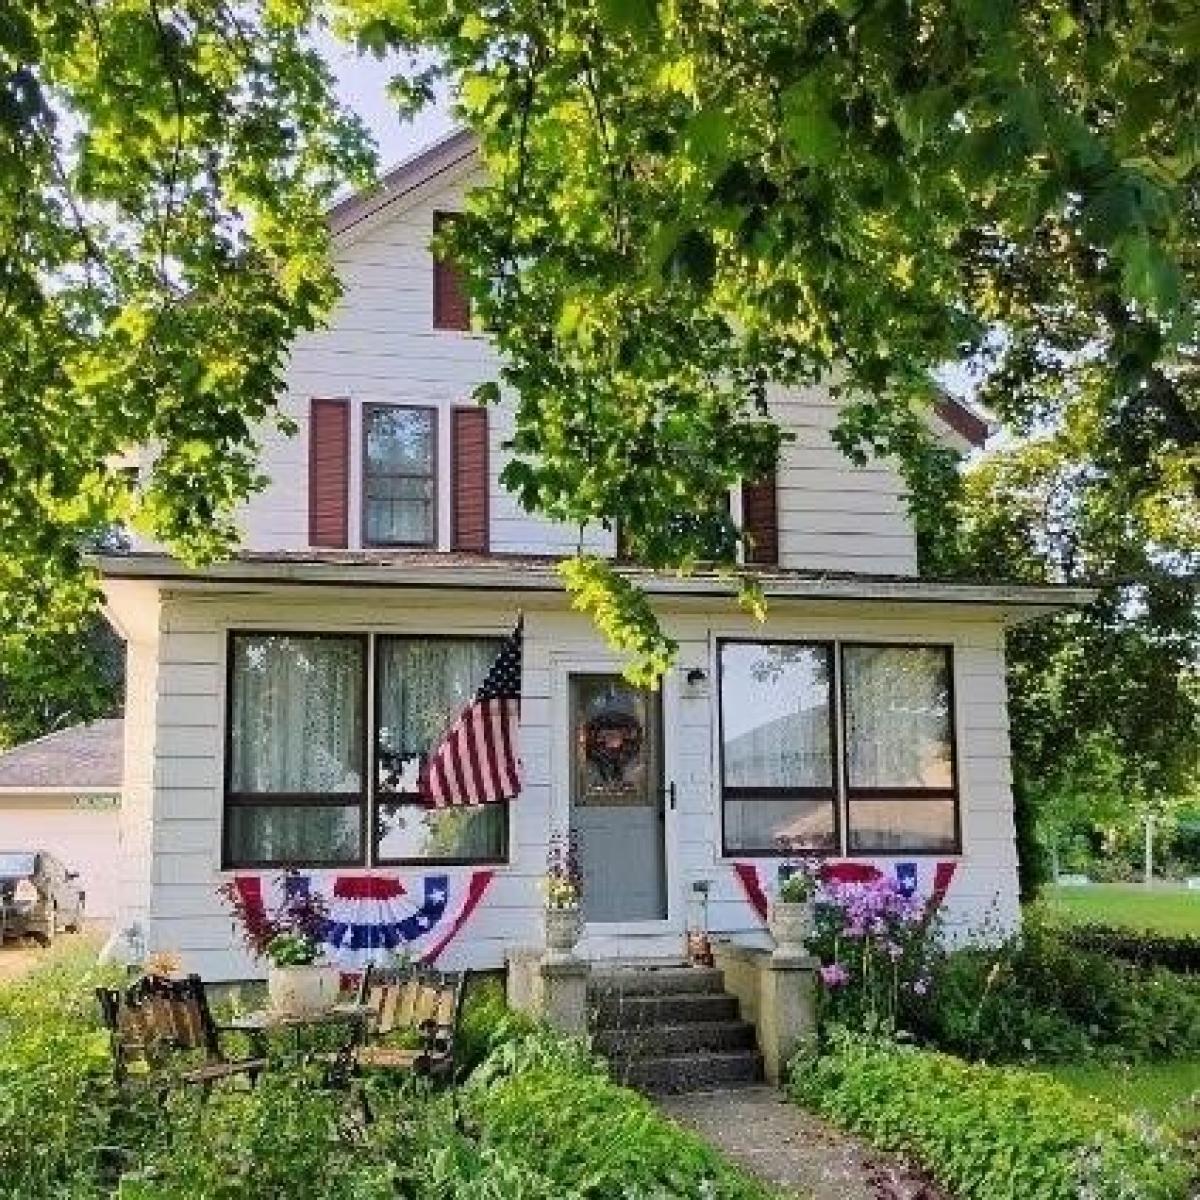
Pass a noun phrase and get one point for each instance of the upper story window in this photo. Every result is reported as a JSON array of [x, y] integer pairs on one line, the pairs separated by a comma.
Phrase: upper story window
[[802, 760], [451, 301], [399, 476]]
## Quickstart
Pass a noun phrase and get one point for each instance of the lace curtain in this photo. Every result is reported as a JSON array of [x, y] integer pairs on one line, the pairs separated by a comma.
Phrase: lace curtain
[[897, 717], [296, 723]]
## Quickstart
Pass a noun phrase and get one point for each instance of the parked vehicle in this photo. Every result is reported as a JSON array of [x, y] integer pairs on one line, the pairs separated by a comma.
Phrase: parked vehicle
[[39, 897]]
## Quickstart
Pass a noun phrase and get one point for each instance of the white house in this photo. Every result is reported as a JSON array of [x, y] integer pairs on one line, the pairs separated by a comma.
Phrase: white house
[[62, 793], [272, 697]]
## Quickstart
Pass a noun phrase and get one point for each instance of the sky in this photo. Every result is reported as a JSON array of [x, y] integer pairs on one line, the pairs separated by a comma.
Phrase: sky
[[361, 85]]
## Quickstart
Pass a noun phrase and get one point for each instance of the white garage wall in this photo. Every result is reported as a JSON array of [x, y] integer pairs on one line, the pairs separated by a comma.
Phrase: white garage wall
[[75, 828]]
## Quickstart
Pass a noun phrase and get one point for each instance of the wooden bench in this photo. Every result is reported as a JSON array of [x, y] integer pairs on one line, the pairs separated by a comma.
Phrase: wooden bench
[[425, 1004], [163, 1034]]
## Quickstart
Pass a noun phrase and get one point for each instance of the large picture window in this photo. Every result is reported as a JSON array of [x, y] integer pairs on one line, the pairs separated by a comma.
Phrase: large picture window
[[422, 685], [296, 787], [794, 772], [399, 475], [901, 790], [777, 747]]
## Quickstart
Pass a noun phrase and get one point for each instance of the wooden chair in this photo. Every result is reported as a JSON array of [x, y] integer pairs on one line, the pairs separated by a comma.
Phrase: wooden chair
[[424, 1004], [163, 1034]]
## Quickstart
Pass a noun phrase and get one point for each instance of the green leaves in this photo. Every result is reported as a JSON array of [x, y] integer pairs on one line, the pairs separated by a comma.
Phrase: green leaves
[[808, 128]]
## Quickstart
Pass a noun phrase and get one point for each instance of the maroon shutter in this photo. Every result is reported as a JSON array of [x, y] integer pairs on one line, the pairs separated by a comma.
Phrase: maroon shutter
[[451, 303], [469, 479], [760, 521], [329, 473]]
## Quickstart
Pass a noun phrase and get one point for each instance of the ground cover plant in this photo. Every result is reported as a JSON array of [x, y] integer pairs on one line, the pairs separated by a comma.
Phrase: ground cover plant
[[986, 1131], [535, 1119], [1163, 910]]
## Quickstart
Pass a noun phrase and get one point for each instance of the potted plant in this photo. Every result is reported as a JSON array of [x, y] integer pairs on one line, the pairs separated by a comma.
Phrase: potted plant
[[563, 891], [792, 918], [290, 939]]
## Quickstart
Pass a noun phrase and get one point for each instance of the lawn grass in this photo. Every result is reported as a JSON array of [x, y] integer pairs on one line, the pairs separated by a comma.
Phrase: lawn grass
[[1169, 910], [1167, 1091]]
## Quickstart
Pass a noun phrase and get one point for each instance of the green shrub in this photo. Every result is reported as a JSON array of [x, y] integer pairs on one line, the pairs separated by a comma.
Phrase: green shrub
[[597, 1140], [987, 1132], [1043, 997], [55, 1081], [1141, 947], [487, 1023]]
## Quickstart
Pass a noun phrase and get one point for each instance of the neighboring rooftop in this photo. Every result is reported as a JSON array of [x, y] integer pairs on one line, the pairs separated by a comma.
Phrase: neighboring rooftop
[[83, 757]]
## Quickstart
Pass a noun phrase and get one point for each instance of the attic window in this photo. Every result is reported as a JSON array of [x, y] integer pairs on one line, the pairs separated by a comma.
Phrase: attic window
[[451, 301]]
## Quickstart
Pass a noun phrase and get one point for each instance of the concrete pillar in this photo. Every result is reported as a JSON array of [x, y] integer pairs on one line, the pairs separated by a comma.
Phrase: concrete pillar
[[778, 995], [554, 991]]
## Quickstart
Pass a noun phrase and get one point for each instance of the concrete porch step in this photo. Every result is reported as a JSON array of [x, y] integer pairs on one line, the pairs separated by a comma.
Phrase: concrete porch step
[[664, 1041], [654, 981], [691, 1072], [622, 1011]]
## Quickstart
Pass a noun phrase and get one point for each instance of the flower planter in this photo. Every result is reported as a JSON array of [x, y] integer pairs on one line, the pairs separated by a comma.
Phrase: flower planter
[[302, 991], [791, 923], [563, 926]]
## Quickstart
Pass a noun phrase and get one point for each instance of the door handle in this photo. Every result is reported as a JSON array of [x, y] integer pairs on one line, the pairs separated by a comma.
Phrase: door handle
[[671, 795]]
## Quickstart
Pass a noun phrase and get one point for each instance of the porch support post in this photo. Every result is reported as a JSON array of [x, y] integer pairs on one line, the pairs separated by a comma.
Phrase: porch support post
[[778, 994], [554, 991]]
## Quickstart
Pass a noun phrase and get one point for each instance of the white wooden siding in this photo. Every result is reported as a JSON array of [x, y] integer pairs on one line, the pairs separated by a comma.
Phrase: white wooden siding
[[381, 347], [186, 731]]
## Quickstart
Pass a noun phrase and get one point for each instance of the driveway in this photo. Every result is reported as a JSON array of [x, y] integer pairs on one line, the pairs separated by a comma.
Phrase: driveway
[[19, 957]]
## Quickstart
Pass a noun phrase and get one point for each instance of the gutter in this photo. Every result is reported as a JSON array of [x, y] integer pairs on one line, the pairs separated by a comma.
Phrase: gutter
[[501, 576]]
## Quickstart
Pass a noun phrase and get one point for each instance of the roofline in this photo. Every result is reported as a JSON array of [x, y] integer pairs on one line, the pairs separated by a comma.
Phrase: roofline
[[963, 419], [443, 155], [543, 577]]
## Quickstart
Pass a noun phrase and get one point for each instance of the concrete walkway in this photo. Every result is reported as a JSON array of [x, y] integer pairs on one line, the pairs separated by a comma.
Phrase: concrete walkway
[[790, 1148]]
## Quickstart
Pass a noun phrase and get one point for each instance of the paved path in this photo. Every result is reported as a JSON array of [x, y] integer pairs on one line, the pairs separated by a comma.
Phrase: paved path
[[794, 1150]]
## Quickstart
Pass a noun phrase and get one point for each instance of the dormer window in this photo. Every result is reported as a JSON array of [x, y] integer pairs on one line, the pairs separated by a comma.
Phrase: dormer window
[[399, 475]]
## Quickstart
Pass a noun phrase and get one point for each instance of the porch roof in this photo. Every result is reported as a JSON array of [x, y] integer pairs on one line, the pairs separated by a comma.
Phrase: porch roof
[[536, 573]]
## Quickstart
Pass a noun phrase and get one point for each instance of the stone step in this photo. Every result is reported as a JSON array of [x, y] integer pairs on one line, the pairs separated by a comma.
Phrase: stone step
[[654, 981], [670, 1008], [664, 1041], [691, 1072]]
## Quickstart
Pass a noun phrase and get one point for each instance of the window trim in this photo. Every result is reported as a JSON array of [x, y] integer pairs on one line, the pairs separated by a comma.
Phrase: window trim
[[377, 797], [431, 541], [831, 794], [843, 794], [953, 794], [233, 799]]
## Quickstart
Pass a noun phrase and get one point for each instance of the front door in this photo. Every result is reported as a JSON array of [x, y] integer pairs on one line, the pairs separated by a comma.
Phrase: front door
[[617, 812]]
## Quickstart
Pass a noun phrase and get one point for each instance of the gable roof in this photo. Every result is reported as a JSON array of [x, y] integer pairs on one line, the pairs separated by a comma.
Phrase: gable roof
[[83, 758], [458, 147]]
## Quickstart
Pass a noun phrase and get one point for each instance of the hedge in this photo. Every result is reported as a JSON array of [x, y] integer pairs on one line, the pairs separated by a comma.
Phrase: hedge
[[1141, 947], [986, 1132]]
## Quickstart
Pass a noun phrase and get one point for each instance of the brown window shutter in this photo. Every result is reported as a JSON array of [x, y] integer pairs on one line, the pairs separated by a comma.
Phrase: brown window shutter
[[329, 473], [760, 521], [469, 479], [451, 302]]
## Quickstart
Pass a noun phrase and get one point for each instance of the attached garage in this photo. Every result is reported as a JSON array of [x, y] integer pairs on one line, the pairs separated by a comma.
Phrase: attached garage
[[62, 793]]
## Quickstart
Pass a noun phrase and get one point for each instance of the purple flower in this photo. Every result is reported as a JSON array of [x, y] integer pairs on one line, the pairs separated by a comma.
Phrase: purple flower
[[834, 975]]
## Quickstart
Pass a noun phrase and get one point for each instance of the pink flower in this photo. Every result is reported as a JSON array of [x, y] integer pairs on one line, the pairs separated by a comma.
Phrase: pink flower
[[834, 975]]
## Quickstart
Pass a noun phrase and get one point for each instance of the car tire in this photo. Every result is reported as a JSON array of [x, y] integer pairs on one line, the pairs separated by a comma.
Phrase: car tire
[[47, 938]]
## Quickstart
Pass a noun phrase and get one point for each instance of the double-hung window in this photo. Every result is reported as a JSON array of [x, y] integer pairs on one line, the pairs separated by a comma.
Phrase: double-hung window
[[295, 762], [867, 767], [399, 475], [777, 746], [422, 684], [301, 734]]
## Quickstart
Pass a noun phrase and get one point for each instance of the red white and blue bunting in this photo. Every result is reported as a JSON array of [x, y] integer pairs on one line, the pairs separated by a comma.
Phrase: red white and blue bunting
[[375, 918], [932, 883]]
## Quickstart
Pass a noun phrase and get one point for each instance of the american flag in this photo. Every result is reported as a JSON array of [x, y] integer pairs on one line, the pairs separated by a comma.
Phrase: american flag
[[476, 761]]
